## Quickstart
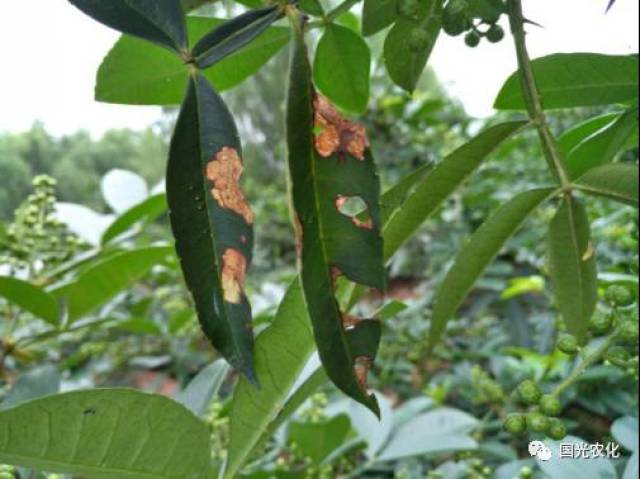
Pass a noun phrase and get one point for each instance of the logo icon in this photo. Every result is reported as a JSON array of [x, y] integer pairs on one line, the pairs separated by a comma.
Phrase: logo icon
[[539, 450]]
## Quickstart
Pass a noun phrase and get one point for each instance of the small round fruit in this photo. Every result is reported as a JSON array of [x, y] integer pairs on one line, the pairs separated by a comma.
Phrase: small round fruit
[[515, 423], [418, 40], [529, 392], [472, 39], [618, 356], [537, 422], [568, 344], [600, 323], [628, 331], [619, 295], [495, 33], [550, 405], [556, 430], [454, 23]]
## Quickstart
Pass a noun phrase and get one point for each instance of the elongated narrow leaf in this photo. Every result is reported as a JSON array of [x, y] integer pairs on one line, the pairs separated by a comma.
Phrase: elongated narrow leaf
[[618, 181], [200, 391], [393, 199], [575, 135], [409, 44], [602, 146], [31, 298], [212, 221], [378, 14], [485, 243], [104, 280], [328, 169], [145, 212], [159, 21], [161, 78], [106, 433], [232, 35], [568, 80], [572, 265], [437, 185]]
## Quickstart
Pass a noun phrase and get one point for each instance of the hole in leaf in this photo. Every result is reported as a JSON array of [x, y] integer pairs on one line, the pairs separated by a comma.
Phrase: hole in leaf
[[356, 208], [234, 271]]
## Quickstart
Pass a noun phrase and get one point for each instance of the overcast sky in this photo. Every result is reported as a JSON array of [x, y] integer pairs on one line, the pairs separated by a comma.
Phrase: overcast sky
[[50, 52]]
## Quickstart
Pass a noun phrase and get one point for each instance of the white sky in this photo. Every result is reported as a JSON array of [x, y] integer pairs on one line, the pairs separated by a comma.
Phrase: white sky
[[50, 53]]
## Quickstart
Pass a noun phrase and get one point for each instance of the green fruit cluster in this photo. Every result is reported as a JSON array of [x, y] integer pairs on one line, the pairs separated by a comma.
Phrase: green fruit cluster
[[478, 18]]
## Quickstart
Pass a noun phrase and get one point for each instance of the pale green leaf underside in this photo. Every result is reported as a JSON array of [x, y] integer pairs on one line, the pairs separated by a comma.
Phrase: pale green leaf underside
[[618, 181]]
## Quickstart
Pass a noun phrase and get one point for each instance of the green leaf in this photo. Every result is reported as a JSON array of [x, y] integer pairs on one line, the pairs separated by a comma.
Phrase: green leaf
[[440, 182], [317, 440], [409, 44], [332, 242], [200, 391], [312, 7], [105, 434], [602, 146], [30, 298], [160, 21], [393, 199], [378, 14], [232, 35], [37, 382], [161, 78], [485, 243], [100, 282], [618, 181], [211, 220], [572, 265], [342, 68], [146, 212], [625, 431], [573, 136], [568, 80]]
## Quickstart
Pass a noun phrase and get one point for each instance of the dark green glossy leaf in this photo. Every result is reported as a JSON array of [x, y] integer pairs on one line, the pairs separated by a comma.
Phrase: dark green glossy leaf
[[161, 78], [31, 298], [232, 35], [324, 177], [211, 220], [342, 68], [568, 80], [602, 146], [485, 243], [159, 21], [573, 136], [439, 183], [409, 44], [106, 434], [378, 14], [572, 265], [145, 212], [312, 7], [393, 199], [317, 440], [618, 181]]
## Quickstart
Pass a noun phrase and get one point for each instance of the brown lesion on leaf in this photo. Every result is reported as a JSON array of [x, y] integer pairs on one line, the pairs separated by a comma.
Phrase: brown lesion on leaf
[[234, 272], [356, 209], [298, 233], [335, 134], [361, 369], [349, 321], [589, 252], [224, 171]]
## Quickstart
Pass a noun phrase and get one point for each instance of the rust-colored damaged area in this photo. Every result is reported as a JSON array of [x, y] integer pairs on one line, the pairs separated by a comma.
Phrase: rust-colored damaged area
[[224, 171], [234, 273], [334, 134], [361, 369], [365, 223]]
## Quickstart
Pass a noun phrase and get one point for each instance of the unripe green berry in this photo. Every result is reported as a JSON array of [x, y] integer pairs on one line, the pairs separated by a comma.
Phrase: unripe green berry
[[568, 344], [472, 39], [526, 472], [618, 356], [619, 295], [600, 323], [537, 422], [454, 23], [495, 33], [628, 331], [550, 405], [529, 392], [515, 423], [556, 430], [418, 40]]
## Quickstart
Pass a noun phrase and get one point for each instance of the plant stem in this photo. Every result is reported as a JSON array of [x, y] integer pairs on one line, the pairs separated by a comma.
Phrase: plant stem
[[533, 99], [339, 10]]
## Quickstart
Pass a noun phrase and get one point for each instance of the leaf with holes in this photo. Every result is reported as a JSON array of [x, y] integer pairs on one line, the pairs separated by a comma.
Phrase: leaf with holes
[[159, 21], [618, 181], [332, 170], [106, 433], [211, 220], [572, 265]]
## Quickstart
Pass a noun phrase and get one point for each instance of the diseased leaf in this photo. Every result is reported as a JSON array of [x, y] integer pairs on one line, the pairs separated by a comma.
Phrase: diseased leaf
[[342, 68], [439, 183], [483, 246], [159, 21], [30, 298], [106, 433], [602, 146], [232, 35], [161, 78], [212, 221], [378, 14], [568, 80], [618, 181], [145, 212], [330, 166], [572, 265], [409, 44]]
